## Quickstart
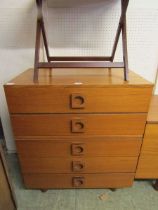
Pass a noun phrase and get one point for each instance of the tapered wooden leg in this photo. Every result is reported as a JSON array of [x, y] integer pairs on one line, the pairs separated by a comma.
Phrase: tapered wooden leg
[[113, 189], [156, 185], [44, 190]]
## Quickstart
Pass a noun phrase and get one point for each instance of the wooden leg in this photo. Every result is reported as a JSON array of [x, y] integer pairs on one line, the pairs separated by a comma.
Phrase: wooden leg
[[113, 189], [156, 185], [44, 190]]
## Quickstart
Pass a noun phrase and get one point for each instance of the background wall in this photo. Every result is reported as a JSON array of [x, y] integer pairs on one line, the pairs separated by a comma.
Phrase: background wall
[[75, 28]]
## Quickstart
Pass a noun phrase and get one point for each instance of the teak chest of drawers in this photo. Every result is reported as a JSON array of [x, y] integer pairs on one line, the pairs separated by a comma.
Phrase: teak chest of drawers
[[148, 161], [78, 131]]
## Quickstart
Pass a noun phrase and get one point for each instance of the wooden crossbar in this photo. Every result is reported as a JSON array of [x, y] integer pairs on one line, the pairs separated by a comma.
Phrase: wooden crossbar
[[81, 65]]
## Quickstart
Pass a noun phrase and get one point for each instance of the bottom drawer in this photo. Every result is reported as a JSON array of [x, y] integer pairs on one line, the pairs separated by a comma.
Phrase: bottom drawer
[[48, 181]]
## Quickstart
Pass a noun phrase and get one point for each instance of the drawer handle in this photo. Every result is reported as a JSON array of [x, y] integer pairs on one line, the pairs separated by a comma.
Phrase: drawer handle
[[78, 166], [78, 181], [77, 149], [77, 126], [77, 101]]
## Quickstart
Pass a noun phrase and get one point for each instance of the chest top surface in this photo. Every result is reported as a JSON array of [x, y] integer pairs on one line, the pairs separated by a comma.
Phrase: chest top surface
[[110, 77]]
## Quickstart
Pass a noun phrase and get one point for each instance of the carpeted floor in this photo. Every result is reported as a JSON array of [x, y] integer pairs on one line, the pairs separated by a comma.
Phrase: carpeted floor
[[139, 197]]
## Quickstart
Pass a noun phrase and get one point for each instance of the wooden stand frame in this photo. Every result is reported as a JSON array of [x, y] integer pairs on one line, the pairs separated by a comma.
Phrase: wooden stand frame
[[81, 62]]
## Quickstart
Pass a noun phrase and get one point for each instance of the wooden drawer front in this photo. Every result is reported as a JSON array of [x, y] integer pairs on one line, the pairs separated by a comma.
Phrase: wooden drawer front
[[78, 165], [47, 99], [150, 142], [148, 161], [78, 124], [147, 167], [109, 180], [67, 148]]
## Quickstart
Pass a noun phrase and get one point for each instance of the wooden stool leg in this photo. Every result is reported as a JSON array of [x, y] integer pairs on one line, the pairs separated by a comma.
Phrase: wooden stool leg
[[156, 185]]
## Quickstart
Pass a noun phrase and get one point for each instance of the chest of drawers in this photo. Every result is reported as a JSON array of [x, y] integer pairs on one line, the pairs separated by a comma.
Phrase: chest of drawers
[[148, 161], [78, 131]]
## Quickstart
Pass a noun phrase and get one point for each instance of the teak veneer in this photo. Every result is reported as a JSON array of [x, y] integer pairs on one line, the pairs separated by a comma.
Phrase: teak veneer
[[148, 161], [66, 146], [75, 131]]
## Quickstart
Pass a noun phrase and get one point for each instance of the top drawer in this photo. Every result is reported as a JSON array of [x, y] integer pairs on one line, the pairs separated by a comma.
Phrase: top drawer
[[50, 99]]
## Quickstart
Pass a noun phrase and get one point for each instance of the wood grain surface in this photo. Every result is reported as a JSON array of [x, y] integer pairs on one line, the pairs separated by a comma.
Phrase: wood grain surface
[[92, 146], [7, 197], [48, 99], [147, 167], [86, 124], [6, 201], [112, 77], [108, 180], [148, 161], [153, 110], [150, 142], [87, 165], [78, 131]]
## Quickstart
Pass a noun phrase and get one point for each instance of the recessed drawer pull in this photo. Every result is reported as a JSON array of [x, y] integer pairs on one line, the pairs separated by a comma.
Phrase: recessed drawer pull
[[77, 126], [77, 149], [77, 101], [78, 166], [78, 181]]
